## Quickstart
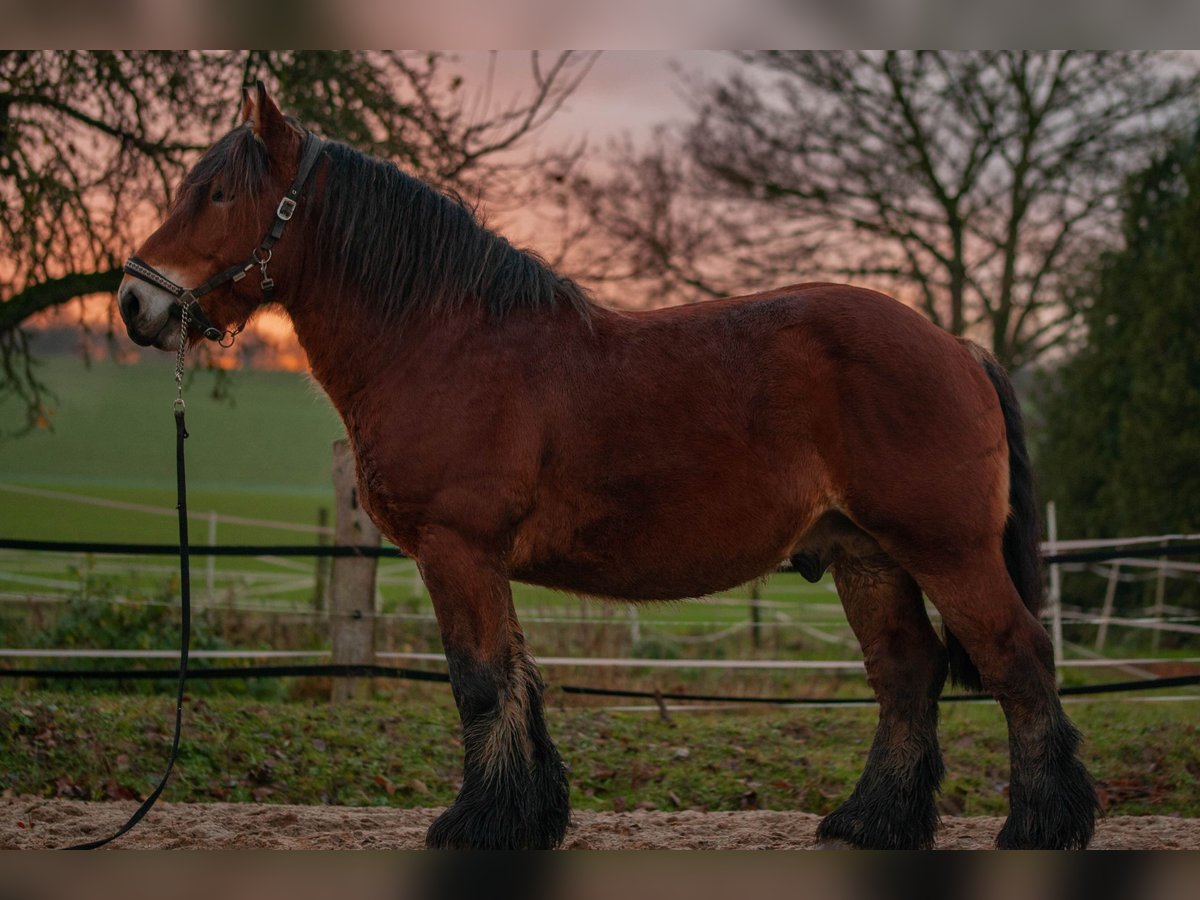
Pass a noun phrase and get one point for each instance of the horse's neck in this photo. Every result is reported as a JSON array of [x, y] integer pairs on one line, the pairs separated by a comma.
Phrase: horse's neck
[[357, 356], [354, 353], [343, 347]]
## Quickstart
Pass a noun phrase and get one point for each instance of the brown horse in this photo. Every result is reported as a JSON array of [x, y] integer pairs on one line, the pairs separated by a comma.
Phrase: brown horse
[[507, 428]]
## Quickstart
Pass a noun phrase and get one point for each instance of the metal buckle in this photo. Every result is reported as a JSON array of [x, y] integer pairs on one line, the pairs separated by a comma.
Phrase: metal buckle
[[287, 206]]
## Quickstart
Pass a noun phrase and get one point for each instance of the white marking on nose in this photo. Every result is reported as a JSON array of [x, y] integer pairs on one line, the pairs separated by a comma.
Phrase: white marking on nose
[[152, 320]]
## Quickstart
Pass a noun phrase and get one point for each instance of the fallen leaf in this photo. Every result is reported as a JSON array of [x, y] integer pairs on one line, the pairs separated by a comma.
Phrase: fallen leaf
[[114, 790]]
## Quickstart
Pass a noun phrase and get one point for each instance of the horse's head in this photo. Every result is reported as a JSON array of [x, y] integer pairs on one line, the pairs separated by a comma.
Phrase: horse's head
[[219, 229]]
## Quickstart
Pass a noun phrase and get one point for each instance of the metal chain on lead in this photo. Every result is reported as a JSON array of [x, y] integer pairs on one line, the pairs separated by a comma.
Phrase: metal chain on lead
[[183, 332]]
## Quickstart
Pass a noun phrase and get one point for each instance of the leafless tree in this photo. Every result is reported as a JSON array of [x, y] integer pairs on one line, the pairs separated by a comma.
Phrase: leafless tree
[[975, 185]]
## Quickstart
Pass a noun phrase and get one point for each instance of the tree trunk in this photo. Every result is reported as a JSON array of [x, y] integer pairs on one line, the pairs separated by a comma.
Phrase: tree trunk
[[54, 292]]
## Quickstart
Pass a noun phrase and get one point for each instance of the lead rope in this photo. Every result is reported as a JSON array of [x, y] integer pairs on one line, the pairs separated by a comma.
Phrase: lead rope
[[184, 592]]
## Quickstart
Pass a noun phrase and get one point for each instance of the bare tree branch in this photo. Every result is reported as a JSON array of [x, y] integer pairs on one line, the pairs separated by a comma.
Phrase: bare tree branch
[[973, 182]]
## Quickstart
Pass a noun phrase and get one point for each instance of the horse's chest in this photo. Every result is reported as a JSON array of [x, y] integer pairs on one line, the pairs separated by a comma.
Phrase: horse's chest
[[377, 492]]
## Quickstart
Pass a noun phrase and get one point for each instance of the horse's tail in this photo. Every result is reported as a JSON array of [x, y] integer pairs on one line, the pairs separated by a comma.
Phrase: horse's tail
[[1022, 531]]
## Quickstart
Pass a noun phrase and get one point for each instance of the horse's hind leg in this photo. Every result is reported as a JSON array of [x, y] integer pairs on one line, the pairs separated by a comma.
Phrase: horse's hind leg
[[1051, 797], [514, 794], [893, 805]]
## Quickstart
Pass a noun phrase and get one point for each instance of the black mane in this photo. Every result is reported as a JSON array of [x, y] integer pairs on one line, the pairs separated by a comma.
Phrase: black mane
[[411, 248], [403, 246]]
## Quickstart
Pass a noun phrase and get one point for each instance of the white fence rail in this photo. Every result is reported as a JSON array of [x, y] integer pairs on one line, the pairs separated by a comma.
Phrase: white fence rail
[[170, 511]]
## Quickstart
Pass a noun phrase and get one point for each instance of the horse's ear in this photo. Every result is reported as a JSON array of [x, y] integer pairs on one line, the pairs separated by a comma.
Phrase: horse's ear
[[261, 112], [247, 104]]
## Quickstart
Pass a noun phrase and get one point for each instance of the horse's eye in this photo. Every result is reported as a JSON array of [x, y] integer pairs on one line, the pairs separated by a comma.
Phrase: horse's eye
[[218, 195]]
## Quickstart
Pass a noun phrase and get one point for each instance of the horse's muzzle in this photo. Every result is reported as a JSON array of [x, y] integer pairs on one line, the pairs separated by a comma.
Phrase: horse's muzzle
[[148, 319]]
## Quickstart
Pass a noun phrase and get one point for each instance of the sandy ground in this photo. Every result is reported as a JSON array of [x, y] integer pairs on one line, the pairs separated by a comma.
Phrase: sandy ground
[[29, 823]]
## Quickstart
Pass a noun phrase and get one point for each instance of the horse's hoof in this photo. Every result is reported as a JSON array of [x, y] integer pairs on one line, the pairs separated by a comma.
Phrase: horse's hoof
[[474, 826]]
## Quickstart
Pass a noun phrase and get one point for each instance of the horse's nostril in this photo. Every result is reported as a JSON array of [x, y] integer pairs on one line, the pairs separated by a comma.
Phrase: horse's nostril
[[129, 303]]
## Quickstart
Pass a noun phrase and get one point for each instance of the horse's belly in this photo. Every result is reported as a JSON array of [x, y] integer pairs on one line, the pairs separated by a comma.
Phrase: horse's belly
[[638, 554], [666, 579]]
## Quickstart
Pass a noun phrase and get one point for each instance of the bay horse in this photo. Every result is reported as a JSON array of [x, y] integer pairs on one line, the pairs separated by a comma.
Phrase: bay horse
[[506, 427]]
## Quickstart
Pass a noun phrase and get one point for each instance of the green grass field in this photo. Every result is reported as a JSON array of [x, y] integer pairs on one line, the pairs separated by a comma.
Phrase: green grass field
[[263, 454]]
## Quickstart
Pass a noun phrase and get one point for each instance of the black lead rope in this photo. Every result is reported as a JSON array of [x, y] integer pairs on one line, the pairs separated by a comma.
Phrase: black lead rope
[[190, 312], [185, 610]]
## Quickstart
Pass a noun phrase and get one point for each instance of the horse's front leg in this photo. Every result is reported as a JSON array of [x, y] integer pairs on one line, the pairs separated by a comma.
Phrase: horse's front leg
[[514, 793]]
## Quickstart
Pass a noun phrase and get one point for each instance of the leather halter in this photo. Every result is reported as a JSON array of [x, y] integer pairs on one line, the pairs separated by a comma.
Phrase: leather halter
[[189, 298]]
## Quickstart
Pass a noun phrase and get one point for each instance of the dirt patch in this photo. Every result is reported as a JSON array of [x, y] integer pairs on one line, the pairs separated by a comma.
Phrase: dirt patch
[[29, 823]]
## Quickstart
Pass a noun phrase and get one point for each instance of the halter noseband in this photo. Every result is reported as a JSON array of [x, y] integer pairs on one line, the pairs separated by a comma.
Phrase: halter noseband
[[189, 298]]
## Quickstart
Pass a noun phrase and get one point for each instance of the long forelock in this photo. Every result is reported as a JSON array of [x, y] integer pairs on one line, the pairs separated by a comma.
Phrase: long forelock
[[405, 248], [239, 159]]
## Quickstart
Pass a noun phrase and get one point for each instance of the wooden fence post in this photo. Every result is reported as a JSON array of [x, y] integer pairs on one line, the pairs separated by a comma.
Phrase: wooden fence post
[[756, 613], [1110, 596], [1056, 622], [352, 584], [321, 576], [210, 575], [1159, 611]]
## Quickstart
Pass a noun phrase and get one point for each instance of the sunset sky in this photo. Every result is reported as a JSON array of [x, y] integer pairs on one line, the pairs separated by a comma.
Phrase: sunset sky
[[626, 91]]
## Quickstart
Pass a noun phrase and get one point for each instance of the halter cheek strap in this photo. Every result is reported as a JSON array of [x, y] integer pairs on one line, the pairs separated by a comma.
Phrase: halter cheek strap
[[188, 298]]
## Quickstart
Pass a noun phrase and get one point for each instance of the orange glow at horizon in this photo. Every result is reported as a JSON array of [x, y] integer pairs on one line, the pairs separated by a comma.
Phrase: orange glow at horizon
[[274, 329], [274, 343], [269, 335]]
